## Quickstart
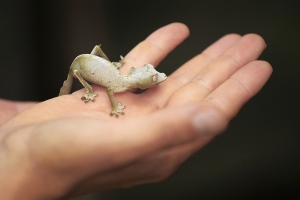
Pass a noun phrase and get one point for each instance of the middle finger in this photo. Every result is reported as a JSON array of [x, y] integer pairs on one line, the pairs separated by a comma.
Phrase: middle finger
[[247, 49]]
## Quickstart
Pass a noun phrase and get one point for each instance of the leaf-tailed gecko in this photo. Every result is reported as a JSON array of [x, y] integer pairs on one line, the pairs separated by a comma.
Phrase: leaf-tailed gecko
[[96, 68]]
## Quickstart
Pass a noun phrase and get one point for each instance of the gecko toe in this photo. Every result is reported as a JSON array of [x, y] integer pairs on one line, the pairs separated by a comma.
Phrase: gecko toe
[[88, 96], [117, 109]]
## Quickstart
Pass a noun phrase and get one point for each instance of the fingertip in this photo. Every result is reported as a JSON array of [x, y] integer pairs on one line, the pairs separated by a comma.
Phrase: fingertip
[[209, 121], [262, 68], [156, 46], [181, 27], [232, 35], [255, 38], [173, 33], [221, 45], [231, 38], [268, 66]]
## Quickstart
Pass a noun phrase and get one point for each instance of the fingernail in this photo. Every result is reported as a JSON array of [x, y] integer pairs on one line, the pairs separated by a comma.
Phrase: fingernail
[[206, 123]]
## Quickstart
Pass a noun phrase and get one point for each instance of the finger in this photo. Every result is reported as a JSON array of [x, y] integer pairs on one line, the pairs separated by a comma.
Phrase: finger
[[165, 163], [10, 109], [192, 68], [240, 87], [172, 127], [94, 145], [151, 168], [189, 70], [228, 98], [245, 50], [156, 46]]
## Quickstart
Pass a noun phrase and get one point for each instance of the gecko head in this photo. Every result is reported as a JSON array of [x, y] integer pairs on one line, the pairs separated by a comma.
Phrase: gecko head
[[147, 76]]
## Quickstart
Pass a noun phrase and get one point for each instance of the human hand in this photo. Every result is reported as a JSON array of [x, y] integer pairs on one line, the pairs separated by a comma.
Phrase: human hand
[[63, 147], [10, 109]]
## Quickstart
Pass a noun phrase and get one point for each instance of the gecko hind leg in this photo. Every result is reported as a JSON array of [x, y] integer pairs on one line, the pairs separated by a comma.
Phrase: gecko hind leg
[[116, 107], [120, 63], [89, 95], [97, 51]]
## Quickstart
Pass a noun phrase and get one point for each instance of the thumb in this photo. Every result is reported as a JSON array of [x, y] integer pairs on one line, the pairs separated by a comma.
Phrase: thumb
[[169, 127], [108, 144]]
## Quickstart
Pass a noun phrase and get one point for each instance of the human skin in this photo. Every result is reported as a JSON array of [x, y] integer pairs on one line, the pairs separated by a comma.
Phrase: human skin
[[63, 147]]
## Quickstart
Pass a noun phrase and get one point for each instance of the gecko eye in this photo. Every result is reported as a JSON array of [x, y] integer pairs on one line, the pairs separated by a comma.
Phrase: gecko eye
[[155, 78]]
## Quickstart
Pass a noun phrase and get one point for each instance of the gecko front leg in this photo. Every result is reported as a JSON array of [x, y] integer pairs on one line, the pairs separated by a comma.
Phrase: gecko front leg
[[116, 107], [89, 95]]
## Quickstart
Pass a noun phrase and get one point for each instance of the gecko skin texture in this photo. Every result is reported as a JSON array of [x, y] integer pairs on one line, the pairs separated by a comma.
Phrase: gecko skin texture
[[97, 68]]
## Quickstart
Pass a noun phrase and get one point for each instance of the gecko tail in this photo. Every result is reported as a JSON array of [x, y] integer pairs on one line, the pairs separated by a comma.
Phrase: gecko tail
[[67, 85]]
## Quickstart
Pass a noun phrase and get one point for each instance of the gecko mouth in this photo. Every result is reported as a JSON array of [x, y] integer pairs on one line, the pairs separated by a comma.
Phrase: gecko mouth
[[160, 78]]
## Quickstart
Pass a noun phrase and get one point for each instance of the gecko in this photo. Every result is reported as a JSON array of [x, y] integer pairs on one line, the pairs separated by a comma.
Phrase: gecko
[[98, 69]]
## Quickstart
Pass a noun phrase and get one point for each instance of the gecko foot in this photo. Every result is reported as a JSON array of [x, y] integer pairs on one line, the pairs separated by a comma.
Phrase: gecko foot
[[117, 109], [88, 96]]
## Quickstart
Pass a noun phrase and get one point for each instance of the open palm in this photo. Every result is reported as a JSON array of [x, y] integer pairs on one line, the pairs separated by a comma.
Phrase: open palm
[[68, 147]]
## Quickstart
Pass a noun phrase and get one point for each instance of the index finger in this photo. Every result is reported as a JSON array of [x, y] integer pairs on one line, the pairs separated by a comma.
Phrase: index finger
[[156, 46]]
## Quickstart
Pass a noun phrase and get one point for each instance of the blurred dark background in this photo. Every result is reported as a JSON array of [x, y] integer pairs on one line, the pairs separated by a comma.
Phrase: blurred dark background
[[258, 156]]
